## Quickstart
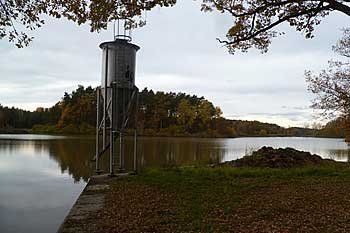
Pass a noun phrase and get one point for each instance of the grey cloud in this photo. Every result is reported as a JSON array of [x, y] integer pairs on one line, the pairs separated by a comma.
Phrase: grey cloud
[[295, 107], [178, 53], [280, 114]]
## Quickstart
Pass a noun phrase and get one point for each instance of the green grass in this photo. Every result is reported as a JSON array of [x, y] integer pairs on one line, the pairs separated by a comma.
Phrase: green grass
[[202, 190], [193, 174]]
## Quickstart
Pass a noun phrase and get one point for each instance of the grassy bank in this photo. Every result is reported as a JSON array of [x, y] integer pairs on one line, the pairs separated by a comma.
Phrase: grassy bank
[[225, 199], [13, 131]]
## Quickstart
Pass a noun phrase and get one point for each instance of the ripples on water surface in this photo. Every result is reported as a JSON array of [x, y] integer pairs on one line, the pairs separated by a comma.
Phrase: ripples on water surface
[[41, 176]]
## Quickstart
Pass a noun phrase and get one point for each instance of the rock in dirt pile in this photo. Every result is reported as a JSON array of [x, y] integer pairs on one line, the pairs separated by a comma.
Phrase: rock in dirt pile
[[279, 158]]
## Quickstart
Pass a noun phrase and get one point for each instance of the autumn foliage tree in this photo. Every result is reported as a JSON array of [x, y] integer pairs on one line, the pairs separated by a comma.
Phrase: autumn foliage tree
[[19, 17], [78, 110], [186, 115], [175, 114], [254, 21], [332, 85], [160, 114]]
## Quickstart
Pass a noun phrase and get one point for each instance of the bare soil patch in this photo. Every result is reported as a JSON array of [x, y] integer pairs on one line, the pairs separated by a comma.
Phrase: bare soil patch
[[279, 158]]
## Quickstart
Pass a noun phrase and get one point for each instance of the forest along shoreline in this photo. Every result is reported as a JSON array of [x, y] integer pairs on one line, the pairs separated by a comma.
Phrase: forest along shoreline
[[273, 190], [160, 114]]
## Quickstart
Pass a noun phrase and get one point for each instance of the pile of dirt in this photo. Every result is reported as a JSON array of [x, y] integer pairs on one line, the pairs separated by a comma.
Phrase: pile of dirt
[[279, 158]]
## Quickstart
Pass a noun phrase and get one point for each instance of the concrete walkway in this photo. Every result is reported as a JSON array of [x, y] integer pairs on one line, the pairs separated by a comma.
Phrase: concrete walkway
[[90, 200]]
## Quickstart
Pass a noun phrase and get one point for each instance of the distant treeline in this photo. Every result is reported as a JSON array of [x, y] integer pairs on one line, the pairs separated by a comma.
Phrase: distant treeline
[[335, 128], [160, 114]]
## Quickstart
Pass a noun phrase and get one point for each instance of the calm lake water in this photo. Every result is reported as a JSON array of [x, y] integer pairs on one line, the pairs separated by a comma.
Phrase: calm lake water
[[41, 176]]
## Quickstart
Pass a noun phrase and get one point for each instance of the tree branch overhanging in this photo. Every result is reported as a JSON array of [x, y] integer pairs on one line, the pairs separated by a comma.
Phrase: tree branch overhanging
[[256, 22]]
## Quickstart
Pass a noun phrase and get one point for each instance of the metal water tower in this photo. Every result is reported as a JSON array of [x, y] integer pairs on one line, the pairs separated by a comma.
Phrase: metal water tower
[[117, 101]]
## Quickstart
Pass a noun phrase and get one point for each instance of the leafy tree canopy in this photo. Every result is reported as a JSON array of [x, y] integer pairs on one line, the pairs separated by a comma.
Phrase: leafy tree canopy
[[17, 17], [254, 21], [331, 86]]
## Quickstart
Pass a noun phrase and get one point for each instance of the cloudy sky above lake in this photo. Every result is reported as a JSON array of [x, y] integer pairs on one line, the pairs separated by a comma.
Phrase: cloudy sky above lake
[[179, 52]]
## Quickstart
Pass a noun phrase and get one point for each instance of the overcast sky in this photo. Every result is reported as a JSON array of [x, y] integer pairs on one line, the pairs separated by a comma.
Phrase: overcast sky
[[179, 52]]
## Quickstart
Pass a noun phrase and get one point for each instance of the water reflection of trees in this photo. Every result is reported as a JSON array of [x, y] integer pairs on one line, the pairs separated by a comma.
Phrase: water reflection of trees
[[340, 155], [74, 155], [15, 146], [163, 152]]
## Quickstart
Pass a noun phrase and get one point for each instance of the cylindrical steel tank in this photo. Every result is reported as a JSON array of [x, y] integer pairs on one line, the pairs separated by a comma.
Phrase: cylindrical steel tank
[[118, 66], [118, 61]]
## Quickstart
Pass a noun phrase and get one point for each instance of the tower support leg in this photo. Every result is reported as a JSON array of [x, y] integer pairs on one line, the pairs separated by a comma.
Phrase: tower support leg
[[97, 156], [135, 128], [112, 131]]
